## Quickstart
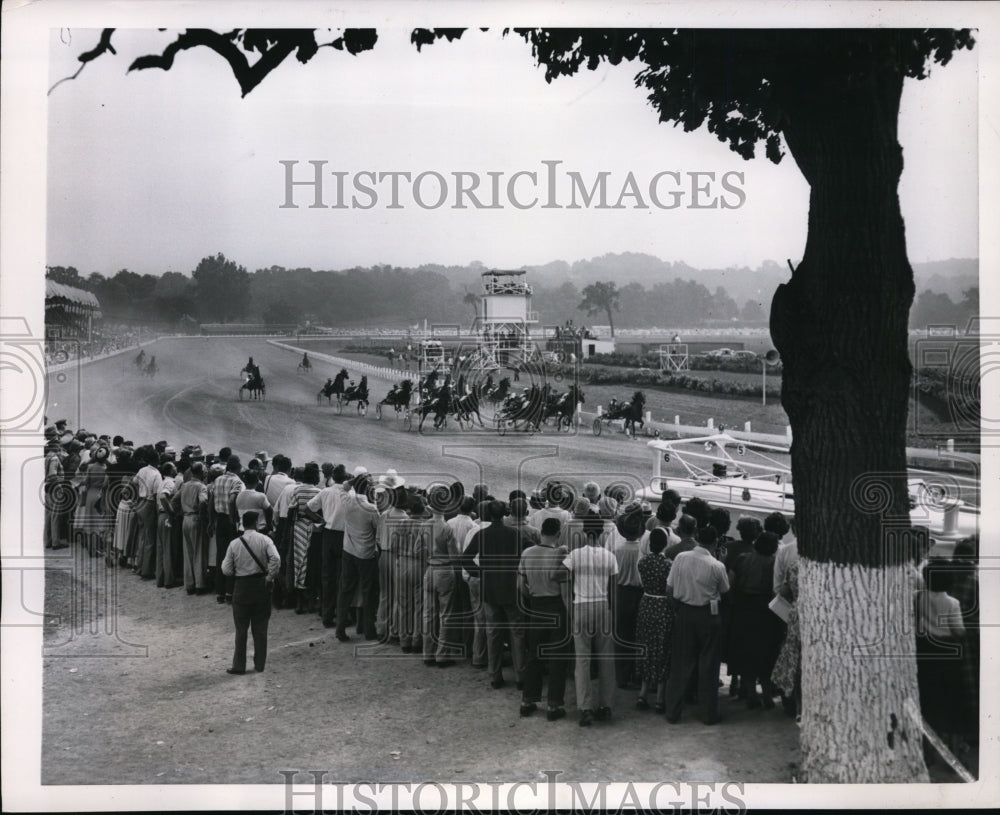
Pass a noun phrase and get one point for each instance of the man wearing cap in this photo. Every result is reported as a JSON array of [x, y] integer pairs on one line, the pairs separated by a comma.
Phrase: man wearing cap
[[251, 562], [224, 521], [327, 507], [359, 560]]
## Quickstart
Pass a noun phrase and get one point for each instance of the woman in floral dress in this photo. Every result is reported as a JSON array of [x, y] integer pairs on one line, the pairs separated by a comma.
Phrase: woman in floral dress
[[655, 623], [787, 673]]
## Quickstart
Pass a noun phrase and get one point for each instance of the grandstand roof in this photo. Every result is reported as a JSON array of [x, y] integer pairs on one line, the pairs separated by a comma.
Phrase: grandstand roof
[[60, 291]]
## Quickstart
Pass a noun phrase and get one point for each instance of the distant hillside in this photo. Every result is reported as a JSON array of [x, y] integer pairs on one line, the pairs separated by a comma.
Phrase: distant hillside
[[951, 277]]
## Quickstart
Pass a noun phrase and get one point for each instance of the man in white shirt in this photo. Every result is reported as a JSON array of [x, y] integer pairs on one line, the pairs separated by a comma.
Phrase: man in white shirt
[[697, 582], [253, 499], [391, 523], [285, 585], [328, 506], [359, 564], [148, 480], [480, 653], [593, 569], [252, 562], [275, 483], [555, 496]]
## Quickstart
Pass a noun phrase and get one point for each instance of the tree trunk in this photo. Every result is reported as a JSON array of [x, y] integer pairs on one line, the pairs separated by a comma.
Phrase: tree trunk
[[611, 322], [840, 326]]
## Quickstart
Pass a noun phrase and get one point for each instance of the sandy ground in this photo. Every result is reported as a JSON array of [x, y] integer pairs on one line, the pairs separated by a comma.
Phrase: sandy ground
[[147, 701], [135, 689]]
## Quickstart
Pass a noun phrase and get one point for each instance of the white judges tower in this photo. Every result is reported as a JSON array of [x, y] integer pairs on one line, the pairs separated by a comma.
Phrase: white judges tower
[[503, 318]]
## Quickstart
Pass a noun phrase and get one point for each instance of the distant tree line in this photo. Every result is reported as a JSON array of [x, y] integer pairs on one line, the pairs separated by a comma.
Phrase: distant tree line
[[220, 290], [937, 308]]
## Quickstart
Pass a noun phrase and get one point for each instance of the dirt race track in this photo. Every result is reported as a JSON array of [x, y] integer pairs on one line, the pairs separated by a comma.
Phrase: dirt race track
[[146, 700]]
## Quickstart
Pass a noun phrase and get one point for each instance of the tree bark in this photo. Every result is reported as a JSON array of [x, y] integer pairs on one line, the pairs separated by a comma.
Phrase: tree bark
[[840, 325]]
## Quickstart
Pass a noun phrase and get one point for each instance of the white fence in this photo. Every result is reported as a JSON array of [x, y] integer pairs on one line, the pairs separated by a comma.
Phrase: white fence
[[74, 363], [381, 371]]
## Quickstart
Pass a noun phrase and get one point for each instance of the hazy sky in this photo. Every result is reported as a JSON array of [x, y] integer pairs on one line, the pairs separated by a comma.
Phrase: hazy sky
[[153, 170]]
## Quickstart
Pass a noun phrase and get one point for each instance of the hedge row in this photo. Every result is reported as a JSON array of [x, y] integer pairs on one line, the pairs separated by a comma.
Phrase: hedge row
[[698, 362]]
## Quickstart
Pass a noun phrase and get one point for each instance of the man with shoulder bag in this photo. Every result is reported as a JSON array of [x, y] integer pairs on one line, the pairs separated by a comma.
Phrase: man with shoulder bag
[[253, 561]]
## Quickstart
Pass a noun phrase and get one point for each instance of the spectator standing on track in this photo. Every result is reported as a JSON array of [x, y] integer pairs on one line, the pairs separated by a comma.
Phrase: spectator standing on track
[[227, 486], [462, 527], [327, 506], [494, 555], [593, 569], [251, 562], [194, 509], [56, 533], [148, 481], [442, 598], [541, 576], [654, 627], [410, 550], [285, 584], [302, 535], [697, 582], [391, 524], [756, 629], [167, 573], [627, 596], [687, 528], [359, 561], [527, 534]]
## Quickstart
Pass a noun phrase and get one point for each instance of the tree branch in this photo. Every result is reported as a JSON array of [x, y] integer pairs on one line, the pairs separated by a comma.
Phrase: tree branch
[[103, 45]]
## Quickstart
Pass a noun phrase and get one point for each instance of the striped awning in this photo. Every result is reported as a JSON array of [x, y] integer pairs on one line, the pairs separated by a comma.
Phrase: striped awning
[[60, 291]]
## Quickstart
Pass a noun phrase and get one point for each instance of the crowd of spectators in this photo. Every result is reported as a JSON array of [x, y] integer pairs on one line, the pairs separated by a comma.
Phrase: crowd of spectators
[[104, 340], [571, 583]]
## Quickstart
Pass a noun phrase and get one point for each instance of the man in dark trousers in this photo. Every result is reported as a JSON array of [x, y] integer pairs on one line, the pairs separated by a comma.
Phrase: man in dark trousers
[[252, 563], [697, 582], [223, 518], [497, 548]]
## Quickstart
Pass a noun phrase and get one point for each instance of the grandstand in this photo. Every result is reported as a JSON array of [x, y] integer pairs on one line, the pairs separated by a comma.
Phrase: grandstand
[[69, 311]]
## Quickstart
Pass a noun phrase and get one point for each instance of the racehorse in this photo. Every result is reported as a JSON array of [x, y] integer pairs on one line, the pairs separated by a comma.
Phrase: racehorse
[[333, 387], [527, 407], [563, 406], [467, 408], [398, 398], [498, 393], [254, 386], [631, 412], [140, 360], [439, 401], [429, 383], [305, 364], [359, 394], [150, 369]]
